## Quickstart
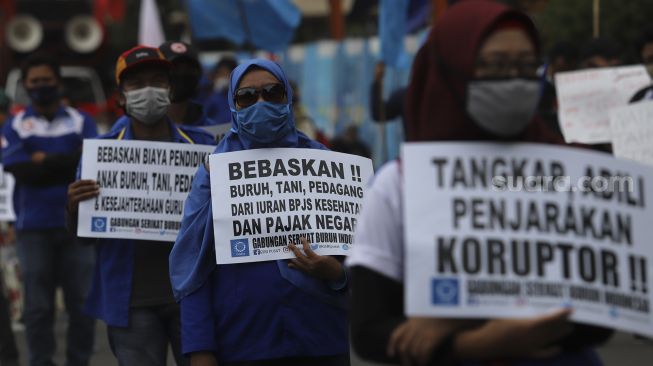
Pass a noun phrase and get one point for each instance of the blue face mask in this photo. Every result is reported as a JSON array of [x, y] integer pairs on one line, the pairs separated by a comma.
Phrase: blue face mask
[[264, 122], [43, 95]]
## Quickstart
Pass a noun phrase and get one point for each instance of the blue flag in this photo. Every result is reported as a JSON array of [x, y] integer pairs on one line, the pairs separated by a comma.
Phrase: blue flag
[[265, 24], [392, 29]]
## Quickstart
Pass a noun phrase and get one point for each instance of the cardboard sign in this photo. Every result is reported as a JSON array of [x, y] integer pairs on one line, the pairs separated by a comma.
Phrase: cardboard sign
[[585, 98], [7, 184], [143, 186], [632, 132], [519, 230], [265, 199]]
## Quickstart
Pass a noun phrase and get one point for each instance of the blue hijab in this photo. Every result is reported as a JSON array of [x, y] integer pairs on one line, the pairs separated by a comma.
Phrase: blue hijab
[[291, 139], [193, 256]]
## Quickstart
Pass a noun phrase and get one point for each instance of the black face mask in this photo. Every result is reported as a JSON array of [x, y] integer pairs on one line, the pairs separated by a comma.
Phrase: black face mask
[[43, 95], [182, 87]]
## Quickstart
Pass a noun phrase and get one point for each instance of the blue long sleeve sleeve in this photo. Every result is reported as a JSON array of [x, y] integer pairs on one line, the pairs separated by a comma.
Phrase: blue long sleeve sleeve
[[197, 320]]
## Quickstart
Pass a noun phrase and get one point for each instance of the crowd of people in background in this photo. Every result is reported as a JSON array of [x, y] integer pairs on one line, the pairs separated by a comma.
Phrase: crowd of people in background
[[155, 295], [117, 281]]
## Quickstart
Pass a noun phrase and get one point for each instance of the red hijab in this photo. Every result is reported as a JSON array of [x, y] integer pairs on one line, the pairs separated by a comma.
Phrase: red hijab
[[436, 97]]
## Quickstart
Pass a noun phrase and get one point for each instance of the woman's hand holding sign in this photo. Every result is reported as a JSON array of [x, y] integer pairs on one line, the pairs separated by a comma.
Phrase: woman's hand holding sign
[[320, 266], [415, 340], [81, 190], [515, 338]]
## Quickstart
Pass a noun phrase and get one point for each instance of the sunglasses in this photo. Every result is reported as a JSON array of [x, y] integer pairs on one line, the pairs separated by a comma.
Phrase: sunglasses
[[274, 93]]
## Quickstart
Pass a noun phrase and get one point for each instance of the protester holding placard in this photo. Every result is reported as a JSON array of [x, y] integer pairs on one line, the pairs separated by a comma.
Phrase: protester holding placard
[[41, 147], [131, 291], [474, 79], [264, 313]]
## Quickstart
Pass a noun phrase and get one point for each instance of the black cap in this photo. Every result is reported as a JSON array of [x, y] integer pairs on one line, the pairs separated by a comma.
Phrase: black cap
[[178, 50]]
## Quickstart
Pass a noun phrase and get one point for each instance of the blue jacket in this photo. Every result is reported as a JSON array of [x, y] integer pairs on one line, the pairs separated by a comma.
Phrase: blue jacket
[[110, 292], [42, 207], [250, 311]]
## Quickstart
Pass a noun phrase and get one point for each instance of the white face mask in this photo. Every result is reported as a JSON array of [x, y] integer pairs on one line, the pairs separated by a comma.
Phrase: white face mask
[[503, 107], [147, 105]]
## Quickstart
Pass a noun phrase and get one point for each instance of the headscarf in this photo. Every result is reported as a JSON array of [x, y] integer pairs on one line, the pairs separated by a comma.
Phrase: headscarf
[[290, 140], [436, 97], [193, 257]]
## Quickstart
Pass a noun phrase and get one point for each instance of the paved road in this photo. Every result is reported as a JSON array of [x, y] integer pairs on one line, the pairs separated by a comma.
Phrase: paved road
[[623, 349]]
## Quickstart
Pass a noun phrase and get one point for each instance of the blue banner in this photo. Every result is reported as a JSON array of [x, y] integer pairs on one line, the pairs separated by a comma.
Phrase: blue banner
[[335, 79], [265, 24], [392, 30]]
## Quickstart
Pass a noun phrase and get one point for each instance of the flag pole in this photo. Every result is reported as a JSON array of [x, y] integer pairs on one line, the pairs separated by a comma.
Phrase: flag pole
[[336, 20], [596, 10]]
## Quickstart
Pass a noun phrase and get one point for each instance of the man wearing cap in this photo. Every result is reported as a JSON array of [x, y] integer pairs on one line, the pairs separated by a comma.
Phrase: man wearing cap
[[131, 289], [184, 80], [41, 147]]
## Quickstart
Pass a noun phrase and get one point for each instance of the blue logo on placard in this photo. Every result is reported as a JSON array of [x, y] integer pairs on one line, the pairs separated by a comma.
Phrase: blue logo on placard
[[315, 246], [240, 248], [345, 246], [445, 291], [99, 224]]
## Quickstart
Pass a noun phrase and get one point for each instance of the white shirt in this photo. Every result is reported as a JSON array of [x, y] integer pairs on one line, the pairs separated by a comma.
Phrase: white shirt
[[379, 238]]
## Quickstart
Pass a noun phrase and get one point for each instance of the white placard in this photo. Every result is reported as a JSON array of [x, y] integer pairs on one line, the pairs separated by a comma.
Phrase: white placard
[[7, 184], [585, 98], [265, 199], [480, 245], [218, 131], [143, 186], [632, 132]]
